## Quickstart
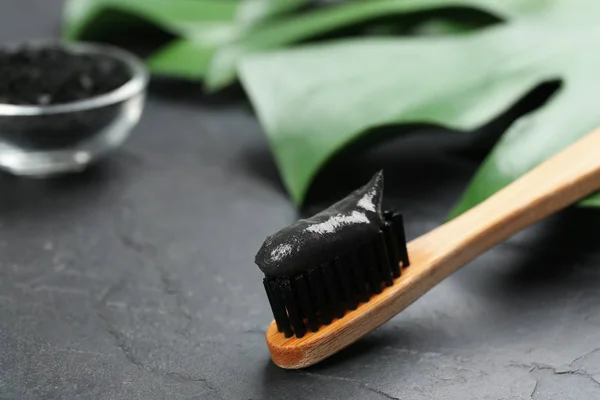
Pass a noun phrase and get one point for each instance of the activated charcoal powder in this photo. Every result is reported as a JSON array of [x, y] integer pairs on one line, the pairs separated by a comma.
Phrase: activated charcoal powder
[[49, 75]]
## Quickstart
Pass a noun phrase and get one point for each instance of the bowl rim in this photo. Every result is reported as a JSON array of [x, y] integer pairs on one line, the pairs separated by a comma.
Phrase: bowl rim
[[135, 85]]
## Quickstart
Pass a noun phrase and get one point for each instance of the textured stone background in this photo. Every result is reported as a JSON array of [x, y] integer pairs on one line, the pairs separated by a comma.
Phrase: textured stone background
[[136, 281]]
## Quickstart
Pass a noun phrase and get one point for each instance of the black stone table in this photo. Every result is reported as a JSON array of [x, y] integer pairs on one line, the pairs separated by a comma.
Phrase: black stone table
[[136, 280]]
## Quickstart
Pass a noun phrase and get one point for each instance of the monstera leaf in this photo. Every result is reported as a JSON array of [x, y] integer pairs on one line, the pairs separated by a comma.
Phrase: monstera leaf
[[212, 35], [252, 11], [205, 23], [284, 32], [191, 56], [199, 26], [316, 100], [181, 17]]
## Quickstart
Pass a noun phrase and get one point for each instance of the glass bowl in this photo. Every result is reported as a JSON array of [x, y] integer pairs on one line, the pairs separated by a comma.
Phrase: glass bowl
[[43, 141]]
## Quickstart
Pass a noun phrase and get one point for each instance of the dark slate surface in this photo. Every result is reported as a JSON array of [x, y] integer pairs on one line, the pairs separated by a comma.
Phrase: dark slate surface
[[135, 280]]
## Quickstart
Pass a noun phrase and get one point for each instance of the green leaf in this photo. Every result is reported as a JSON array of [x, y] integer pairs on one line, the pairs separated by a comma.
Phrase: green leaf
[[190, 57], [315, 101], [252, 11], [282, 33], [200, 25], [183, 59], [180, 17]]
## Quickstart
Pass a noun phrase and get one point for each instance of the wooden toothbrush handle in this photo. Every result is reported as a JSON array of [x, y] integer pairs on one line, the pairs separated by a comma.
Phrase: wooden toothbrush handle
[[558, 182], [565, 178]]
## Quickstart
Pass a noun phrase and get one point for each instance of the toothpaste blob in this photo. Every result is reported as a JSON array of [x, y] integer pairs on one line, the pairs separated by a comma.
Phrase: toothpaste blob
[[308, 243]]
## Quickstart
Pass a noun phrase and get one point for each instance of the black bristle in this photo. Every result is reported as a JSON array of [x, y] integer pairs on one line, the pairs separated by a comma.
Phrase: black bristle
[[359, 278], [334, 291], [369, 264], [398, 225], [277, 306], [302, 290], [316, 281], [292, 306], [392, 249], [342, 270], [383, 261], [316, 296]]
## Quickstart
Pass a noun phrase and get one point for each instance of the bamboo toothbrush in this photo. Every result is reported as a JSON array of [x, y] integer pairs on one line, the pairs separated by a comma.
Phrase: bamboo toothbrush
[[320, 301]]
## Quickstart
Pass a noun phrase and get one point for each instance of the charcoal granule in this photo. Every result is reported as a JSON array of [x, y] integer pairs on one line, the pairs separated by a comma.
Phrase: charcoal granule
[[52, 75]]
